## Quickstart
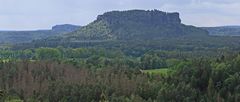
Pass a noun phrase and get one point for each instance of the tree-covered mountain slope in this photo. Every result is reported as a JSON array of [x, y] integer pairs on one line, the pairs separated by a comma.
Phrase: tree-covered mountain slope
[[223, 30]]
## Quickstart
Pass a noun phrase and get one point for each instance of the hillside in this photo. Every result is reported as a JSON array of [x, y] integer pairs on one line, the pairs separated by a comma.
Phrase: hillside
[[223, 30], [134, 24], [28, 36], [139, 29]]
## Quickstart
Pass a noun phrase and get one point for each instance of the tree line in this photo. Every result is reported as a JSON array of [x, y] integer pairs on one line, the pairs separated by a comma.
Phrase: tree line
[[196, 80]]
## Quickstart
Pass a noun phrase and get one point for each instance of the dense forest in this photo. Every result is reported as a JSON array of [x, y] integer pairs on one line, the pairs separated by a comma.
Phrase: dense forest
[[63, 75], [123, 56]]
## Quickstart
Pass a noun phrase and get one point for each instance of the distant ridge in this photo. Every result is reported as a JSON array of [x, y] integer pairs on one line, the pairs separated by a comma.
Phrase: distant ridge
[[223, 30], [28, 36], [65, 28]]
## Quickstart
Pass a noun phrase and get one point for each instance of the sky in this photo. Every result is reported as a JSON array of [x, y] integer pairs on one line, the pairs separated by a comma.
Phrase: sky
[[43, 14]]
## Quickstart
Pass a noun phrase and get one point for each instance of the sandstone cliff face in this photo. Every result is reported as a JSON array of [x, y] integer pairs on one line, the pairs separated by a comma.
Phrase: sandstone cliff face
[[153, 17]]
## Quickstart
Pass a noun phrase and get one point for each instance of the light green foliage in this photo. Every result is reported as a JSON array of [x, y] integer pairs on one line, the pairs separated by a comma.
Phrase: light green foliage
[[14, 100], [172, 62], [48, 53], [151, 61], [94, 31], [163, 71]]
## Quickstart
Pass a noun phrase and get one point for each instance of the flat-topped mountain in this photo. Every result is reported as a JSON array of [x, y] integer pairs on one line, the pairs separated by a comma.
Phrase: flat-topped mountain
[[134, 24], [28, 36], [154, 17]]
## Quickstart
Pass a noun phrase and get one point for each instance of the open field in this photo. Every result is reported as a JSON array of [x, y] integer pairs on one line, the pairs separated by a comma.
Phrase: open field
[[162, 71]]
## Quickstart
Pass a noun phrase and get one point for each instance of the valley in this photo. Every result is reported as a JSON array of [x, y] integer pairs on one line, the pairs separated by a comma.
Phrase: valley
[[121, 56]]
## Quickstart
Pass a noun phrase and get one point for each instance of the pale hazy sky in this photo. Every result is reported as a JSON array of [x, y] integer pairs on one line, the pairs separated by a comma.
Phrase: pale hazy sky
[[42, 14]]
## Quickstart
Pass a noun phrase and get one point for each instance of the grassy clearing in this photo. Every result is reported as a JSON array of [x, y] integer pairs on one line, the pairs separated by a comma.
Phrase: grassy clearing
[[6, 60], [162, 71], [14, 100]]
